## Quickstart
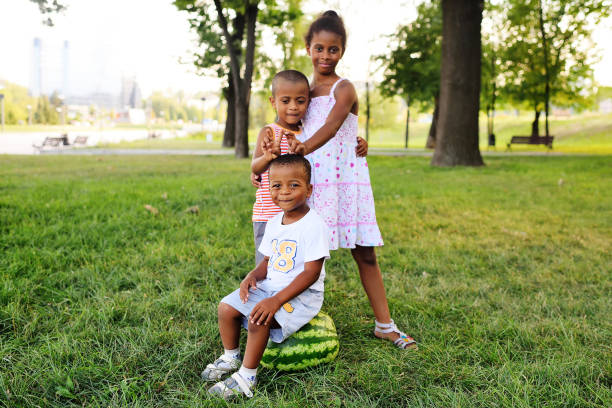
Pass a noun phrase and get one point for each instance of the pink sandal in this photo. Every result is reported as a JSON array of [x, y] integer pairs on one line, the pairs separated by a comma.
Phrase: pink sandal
[[403, 341]]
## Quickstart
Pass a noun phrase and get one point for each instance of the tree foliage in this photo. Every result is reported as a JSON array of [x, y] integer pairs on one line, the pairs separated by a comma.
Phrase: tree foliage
[[227, 35], [47, 7], [412, 69], [554, 50], [413, 66]]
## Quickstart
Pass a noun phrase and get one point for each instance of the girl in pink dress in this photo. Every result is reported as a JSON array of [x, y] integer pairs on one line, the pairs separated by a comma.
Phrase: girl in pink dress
[[342, 194]]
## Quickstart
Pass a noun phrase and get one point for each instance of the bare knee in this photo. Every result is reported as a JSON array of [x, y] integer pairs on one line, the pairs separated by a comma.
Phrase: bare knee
[[225, 311], [364, 255], [255, 328]]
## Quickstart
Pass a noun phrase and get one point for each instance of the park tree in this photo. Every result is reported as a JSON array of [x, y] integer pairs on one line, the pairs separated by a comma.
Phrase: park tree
[[227, 35], [547, 55], [412, 69], [226, 31], [457, 130], [491, 70], [49, 7]]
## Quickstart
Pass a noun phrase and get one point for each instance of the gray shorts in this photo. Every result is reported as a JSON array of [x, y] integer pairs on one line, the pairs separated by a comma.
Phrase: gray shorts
[[259, 227], [290, 317]]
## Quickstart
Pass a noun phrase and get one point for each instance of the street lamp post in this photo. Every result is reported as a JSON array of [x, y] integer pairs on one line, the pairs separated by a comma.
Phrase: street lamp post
[[203, 112], [2, 103], [29, 115]]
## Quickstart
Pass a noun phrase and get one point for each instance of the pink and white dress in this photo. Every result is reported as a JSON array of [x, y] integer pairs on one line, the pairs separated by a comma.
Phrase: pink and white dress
[[342, 194]]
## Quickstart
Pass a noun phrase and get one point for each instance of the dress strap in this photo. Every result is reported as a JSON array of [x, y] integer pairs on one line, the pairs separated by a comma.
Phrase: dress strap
[[333, 88]]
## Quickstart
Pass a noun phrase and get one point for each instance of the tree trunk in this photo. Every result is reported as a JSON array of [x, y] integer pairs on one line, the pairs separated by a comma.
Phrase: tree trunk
[[242, 129], [431, 137], [535, 125], [241, 85], [407, 122], [244, 90], [229, 134], [457, 133], [546, 73]]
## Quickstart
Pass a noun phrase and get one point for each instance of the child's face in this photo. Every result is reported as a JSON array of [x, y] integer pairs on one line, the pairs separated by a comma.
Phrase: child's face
[[290, 102], [325, 50], [288, 186]]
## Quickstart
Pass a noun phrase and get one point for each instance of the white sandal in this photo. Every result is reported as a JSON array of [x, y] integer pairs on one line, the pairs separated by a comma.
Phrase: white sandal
[[233, 386], [223, 365], [403, 341]]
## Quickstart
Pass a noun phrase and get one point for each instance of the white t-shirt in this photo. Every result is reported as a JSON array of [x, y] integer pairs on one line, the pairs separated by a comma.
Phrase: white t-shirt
[[290, 246]]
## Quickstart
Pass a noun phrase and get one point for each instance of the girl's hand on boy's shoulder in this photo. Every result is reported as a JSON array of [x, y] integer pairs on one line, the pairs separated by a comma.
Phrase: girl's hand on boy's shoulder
[[255, 180], [246, 284], [362, 147], [264, 311]]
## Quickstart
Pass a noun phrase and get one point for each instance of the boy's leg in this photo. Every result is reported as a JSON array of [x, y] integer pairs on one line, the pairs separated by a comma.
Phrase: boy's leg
[[230, 322], [257, 340], [229, 328], [245, 379]]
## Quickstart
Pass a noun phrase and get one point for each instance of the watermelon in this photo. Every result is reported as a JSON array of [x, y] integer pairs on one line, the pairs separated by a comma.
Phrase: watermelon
[[315, 343]]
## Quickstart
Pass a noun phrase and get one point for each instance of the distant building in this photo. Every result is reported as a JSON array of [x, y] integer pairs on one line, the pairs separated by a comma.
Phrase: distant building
[[49, 70], [131, 97]]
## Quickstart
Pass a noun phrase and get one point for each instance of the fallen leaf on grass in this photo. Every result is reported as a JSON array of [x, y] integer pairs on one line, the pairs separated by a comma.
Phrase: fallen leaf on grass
[[151, 209], [165, 196], [194, 209], [515, 233], [561, 182], [160, 385]]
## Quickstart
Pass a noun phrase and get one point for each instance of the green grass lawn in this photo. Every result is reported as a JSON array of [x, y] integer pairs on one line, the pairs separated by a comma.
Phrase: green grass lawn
[[501, 273]]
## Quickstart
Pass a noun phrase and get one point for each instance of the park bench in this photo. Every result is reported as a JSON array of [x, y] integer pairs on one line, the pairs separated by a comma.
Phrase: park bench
[[540, 140], [53, 143], [60, 142], [80, 141]]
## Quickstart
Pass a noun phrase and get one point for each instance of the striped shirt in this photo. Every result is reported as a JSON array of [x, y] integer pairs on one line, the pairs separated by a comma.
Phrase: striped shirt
[[264, 208]]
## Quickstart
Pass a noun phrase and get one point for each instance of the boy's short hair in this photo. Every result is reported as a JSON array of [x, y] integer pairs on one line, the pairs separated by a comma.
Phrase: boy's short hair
[[290, 75], [291, 160]]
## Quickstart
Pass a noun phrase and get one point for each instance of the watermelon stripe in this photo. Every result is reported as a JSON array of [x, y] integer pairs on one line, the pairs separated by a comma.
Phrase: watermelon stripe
[[303, 344], [304, 359], [297, 352]]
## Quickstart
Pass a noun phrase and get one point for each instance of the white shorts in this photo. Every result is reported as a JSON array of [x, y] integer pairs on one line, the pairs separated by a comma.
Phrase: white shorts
[[290, 317]]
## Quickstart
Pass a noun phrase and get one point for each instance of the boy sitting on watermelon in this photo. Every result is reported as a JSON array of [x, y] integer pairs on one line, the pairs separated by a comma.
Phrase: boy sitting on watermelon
[[284, 292]]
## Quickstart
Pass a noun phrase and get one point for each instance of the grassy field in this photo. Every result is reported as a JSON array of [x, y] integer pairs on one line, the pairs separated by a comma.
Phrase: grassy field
[[502, 274]]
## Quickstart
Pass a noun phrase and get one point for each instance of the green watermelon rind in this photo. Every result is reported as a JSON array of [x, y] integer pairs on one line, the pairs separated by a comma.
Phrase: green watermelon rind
[[314, 344]]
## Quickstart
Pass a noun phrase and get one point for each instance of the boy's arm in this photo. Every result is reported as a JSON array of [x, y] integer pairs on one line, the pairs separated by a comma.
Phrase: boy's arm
[[265, 150], [250, 281], [264, 311], [346, 96]]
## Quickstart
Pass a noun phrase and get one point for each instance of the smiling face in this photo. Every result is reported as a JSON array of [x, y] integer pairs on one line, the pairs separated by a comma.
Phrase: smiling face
[[325, 50], [289, 187], [290, 101]]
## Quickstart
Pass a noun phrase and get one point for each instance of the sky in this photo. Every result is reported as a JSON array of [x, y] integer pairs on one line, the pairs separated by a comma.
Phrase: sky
[[147, 39]]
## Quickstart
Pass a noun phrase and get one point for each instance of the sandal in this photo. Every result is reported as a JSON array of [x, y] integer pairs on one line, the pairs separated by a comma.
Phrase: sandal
[[232, 387], [403, 341], [221, 366]]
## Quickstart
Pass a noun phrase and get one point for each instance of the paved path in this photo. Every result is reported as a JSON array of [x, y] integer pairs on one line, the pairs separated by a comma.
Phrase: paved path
[[230, 152]]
